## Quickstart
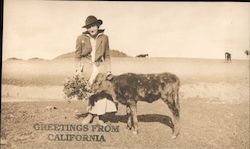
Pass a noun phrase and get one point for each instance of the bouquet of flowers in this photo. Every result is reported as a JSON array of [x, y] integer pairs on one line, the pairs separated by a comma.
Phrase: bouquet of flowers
[[77, 86]]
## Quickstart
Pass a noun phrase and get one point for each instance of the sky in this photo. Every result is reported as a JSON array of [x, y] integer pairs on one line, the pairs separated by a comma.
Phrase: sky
[[47, 29]]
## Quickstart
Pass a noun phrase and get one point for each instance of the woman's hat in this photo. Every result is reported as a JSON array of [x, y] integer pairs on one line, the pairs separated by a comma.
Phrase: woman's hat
[[92, 20]]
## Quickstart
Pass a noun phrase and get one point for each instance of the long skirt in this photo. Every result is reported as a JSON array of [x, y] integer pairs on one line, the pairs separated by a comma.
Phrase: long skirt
[[101, 106]]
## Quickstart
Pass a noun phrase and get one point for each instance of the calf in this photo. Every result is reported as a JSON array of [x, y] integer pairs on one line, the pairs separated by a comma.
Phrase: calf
[[130, 88]]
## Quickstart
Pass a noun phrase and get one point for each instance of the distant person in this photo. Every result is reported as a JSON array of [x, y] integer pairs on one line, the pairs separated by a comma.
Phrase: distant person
[[93, 44], [246, 52], [228, 57]]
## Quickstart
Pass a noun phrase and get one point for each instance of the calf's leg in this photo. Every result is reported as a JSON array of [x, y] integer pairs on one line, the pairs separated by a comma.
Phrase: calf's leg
[[129, 123], [176, 116], [133, 109]]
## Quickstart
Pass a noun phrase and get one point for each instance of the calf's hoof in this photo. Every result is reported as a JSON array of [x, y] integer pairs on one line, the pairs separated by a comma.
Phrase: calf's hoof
[[129, 127], [135, 132], [100, 122], [87, 119], [174, 136]]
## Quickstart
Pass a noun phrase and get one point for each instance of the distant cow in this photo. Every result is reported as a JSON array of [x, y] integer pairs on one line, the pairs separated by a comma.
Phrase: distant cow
[[227, 57], [142, 55], [129, 88]]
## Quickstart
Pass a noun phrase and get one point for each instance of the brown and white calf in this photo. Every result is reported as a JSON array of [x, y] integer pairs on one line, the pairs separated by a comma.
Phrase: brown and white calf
[[130, 88]]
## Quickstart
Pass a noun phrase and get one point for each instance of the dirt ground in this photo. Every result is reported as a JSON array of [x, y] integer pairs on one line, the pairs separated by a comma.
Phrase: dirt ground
[[214, 107], [203, 125]]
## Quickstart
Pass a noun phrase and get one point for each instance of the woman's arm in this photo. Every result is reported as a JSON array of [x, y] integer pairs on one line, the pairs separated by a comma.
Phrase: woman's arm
[[107, 55], [81, 50]]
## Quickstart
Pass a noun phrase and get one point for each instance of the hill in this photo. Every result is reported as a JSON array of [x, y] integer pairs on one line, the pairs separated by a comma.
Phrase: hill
[[36, 59], [13, 59], [65, 56], [70, 55], [117, 53]]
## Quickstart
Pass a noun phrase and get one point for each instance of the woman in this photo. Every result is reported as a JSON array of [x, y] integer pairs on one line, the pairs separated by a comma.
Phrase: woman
[[93, 44]]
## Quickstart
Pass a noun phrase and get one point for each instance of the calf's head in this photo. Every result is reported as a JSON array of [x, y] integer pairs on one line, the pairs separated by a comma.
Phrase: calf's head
[[102, 83]]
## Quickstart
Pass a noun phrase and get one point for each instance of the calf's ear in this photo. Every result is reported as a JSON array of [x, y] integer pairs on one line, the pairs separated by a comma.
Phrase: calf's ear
[[109, 77]]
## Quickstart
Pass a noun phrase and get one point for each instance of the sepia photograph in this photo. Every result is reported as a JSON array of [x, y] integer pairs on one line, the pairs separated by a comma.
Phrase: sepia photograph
[[125, 75]]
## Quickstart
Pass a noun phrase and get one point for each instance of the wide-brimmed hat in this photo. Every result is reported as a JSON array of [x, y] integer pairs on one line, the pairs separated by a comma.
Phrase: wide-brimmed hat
[[92, 20]]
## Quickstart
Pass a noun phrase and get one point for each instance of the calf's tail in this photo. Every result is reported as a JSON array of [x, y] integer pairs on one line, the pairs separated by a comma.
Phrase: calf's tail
[[176, 98]]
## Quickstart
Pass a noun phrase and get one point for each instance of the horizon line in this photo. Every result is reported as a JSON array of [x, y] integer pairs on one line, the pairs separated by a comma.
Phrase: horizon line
[[247, 58]]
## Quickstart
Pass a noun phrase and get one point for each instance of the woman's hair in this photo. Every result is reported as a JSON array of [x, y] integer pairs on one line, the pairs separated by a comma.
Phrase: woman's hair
[[97, 24]]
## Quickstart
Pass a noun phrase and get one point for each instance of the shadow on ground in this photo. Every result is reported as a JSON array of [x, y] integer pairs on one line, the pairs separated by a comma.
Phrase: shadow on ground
[[111, 117]]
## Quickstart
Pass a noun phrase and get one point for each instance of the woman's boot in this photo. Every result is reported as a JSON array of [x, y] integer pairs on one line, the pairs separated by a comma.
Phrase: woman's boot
[[87, 119], [99, 121]]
